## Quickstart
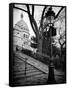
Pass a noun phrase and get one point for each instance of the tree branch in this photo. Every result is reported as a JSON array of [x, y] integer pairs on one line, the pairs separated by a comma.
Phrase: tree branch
[[64, 42], [59, 12], [20, 9], [42, 16], [28, 9], [41, 21], [33, 10], [32, 21]]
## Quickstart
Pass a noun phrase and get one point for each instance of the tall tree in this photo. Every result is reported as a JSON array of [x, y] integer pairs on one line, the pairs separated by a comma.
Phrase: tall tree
[[37, 30]]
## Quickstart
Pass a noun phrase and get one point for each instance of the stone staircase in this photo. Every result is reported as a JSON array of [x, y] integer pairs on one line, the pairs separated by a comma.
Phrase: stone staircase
[[28, 71], [27, 74]]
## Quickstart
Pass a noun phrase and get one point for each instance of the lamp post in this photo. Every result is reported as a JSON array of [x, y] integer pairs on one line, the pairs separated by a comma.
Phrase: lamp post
[[50, 22]]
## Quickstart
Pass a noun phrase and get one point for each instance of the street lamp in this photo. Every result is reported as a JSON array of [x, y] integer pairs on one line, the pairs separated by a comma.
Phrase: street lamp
[[50, 15]]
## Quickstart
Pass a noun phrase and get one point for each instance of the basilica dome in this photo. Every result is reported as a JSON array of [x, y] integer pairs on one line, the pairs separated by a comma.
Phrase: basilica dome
[[21, 25]]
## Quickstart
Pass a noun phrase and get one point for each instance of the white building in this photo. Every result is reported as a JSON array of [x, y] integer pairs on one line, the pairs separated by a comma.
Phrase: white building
[[21, 34]]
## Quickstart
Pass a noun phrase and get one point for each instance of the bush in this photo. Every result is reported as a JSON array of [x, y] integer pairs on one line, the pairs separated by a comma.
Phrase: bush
[[60, 63], [27, 52]]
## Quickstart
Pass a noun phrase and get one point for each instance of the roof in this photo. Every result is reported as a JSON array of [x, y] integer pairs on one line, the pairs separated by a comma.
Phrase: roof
[[21, 25]]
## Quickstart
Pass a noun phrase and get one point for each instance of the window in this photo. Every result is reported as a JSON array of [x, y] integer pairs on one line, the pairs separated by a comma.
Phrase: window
[[24, 35], [25, 42]]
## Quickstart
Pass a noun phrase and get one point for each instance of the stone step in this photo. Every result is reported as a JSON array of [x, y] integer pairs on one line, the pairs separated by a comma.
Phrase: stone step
[[37, 64], [36, 72]]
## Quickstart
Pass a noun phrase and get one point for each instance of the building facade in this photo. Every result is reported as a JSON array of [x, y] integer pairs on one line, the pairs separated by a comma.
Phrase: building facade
[[21, 34]]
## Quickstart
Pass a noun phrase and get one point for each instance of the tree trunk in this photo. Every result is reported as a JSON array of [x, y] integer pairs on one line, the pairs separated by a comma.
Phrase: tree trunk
[[40, 40]]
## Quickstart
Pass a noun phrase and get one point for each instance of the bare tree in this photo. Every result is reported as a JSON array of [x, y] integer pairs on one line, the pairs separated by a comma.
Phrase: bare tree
[[37, 30], [62, 43]]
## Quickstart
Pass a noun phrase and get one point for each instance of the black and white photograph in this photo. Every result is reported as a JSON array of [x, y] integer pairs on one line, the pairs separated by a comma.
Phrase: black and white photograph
[[37, 44]]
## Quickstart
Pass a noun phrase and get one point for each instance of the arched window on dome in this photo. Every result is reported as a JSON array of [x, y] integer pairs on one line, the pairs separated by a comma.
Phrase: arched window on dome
[[25, 36]]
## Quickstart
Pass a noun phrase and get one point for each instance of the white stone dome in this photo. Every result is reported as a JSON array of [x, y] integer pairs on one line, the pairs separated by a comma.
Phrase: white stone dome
[[21, 25]]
